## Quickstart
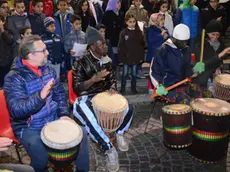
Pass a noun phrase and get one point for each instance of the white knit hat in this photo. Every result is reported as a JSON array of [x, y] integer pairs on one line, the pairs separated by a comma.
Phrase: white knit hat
[[181, 32]]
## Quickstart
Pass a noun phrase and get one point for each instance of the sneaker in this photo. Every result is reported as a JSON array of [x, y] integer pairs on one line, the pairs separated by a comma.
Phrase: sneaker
[[122, 144], [140, 74], [112, 160]]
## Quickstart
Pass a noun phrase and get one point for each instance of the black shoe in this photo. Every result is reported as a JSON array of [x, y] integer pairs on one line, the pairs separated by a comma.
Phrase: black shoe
[[122, 91], [134, 90]]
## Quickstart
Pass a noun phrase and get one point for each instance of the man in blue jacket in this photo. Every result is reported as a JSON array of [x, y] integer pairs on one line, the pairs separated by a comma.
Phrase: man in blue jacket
[[172, 63], [34, 97]]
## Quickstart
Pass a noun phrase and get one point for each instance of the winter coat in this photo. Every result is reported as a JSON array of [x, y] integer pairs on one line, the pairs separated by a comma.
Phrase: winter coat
[[36, 22], [6, 48], [59, 26], [84, 68], [170, 65], [114, 24], [22, 90], [188, 15], [87, 20], [155, 40], [55, 47], [131, 47], [140, 14], [211, 61]]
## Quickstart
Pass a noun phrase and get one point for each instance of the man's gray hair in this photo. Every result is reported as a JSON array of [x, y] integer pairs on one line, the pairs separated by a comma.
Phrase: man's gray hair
[[27, 45]]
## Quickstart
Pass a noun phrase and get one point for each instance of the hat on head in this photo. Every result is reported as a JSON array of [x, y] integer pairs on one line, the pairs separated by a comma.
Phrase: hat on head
[[181, 32], [48, 21], [214, 26], [93, 35]]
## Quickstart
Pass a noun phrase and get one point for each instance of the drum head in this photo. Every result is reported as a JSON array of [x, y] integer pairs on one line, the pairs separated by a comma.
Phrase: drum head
[[211, 106], [106, 102], [223, 79], [176, 109], [61, 134]]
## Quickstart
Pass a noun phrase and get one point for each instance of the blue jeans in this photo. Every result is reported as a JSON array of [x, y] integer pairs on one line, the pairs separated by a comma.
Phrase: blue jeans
[[31, 141], [125, 73]]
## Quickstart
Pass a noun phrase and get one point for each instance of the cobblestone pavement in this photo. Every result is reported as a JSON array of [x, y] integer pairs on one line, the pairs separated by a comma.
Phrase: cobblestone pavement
[[146, 153]]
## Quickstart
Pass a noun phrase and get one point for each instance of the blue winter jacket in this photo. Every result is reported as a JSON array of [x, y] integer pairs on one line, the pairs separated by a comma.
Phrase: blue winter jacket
[[27, 109], [170, 64], [58, 24], [55, 47], [155, 40]]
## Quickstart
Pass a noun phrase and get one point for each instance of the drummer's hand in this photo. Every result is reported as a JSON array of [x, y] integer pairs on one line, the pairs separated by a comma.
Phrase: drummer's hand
[[48, 87], [161, 90], [112, 91], [100, 76], [4, 143], [199, 67], [224, 52], [67, 118]]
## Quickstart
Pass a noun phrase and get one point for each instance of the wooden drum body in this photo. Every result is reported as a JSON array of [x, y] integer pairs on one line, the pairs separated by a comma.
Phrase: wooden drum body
[[177, 131], [222, 86], [110, 110], [211, 130], [62, 139]]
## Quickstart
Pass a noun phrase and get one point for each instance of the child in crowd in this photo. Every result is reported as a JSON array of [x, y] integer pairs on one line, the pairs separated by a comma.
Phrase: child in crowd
[[36, 20], [102, 29], [24, 31], [54, 45], [157, 34], [130, 50], [76, 35], [6, 49], [86, 16], [16, 21], [62, 19], [113, 21], [188, 14], [4, 8], [162, 7]]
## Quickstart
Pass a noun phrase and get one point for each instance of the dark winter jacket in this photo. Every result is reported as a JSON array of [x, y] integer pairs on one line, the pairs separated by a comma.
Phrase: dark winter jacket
[[114, 24], [27, 109], [211, 61], [155, 40], [6, 48], [84, 68], [87, 20], [55, 47], [36, 22], [131, 47], [170, 65]]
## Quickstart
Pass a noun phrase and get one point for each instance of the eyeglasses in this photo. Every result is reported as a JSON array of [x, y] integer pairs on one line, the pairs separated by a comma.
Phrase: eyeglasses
[[40, 51]]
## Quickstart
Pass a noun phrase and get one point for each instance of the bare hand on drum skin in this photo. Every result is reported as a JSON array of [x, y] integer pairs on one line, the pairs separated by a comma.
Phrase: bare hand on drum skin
[[112, 91], [224, 52], [72, 52], [100, 76], [67, 118], [48, 87], [4, 143]]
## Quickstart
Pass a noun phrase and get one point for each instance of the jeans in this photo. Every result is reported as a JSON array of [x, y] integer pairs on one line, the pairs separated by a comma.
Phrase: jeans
[[31, 141], [125, 73], [57, 68], [16, 167]]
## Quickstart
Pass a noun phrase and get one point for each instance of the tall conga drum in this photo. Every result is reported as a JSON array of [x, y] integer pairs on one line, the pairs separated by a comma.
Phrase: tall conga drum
[[62, 139], [221, 86], [177, 132], [211, 130]]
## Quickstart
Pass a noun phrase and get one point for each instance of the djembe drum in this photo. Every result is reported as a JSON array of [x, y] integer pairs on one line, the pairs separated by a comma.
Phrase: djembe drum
[[211, 129], [177, 131], [110, 111], [62, 139], [222, 86]]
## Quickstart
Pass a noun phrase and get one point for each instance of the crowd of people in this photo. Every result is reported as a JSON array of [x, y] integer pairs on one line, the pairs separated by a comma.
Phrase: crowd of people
[[38, 44]]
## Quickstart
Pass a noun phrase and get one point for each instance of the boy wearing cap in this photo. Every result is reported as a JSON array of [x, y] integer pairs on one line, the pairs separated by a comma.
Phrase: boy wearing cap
[[54, 45], [172, 63]]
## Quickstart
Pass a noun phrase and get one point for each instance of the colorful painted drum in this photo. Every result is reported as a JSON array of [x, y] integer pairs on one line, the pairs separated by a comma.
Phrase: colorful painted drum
[[177, 130], [62, 139], [222, 86], [211, 130]]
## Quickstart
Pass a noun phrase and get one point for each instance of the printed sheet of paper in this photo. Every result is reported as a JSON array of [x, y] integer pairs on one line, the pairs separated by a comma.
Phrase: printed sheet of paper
[[79, 49]]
